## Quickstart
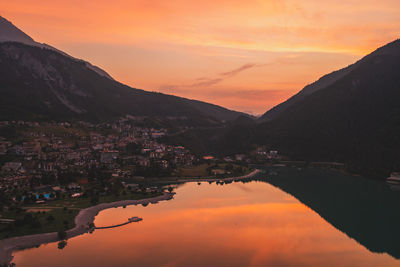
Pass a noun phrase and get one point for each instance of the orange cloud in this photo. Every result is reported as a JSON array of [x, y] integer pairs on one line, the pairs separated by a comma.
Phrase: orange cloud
[[178, 41]]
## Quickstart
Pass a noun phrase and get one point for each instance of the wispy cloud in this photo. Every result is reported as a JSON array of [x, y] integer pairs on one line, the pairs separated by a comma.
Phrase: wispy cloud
[[205, 82], [238, 70], [209, 81]]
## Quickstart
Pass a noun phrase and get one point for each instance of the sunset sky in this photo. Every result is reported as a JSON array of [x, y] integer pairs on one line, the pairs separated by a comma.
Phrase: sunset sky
[[244, 55]]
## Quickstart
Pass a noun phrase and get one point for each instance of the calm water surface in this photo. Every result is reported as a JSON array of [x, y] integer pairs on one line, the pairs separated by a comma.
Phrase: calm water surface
[[239, 224]]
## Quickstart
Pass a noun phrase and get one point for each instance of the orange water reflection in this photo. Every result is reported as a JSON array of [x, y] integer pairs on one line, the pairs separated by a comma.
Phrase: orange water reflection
[[251, 224]]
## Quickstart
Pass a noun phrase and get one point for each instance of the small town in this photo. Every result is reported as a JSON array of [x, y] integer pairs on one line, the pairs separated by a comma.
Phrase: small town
[[44, 159], [49, 171], [75, 165]]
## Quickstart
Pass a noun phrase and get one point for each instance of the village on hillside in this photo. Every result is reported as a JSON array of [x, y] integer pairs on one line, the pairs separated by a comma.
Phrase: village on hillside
[[41, 159]]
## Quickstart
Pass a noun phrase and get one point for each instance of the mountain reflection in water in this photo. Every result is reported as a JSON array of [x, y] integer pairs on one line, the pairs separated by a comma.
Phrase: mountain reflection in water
[[244, 224], [366, 210]]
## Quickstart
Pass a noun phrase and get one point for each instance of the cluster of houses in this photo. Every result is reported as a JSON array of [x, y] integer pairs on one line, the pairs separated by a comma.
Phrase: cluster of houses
[[47, 149]]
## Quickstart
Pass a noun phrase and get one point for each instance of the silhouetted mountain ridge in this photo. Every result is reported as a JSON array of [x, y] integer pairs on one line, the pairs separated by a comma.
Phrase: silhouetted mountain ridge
[[10, 33], [41, 82], [327, 80], [360, 208], [355, 119]]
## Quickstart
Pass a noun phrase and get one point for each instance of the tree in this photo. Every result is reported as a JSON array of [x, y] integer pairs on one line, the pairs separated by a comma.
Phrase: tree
[[170, 189], [94, 199], [229, 167], [62, 235], [62, 244], [35, 223], [50, 218]]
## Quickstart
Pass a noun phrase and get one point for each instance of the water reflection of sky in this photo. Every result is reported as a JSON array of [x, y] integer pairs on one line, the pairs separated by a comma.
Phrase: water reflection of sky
[[252, 224]]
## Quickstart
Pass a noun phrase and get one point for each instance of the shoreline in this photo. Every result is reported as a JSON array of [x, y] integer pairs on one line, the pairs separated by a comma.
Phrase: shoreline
[[87, 216], [82, 221], [174, 180], [213, 179]]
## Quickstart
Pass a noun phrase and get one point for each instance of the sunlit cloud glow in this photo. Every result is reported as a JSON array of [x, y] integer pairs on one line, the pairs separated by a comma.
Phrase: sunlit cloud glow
[[225, 52]]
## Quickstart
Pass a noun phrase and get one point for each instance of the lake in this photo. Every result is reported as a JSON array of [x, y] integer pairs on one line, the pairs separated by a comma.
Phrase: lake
[[285, 217]]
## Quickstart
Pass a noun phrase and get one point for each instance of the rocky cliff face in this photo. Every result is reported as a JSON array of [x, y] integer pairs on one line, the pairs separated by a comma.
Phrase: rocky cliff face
[[10, 33]]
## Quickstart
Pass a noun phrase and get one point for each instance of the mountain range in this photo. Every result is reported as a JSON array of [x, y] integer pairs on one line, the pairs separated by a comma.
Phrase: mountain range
[[324, 82], [351, 115], [40, 82]]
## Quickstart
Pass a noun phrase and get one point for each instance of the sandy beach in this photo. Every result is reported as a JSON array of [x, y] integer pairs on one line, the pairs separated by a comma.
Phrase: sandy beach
[[82, 220]]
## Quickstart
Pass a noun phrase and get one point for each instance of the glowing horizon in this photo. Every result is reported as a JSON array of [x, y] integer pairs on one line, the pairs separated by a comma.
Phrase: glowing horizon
[[247, 56]]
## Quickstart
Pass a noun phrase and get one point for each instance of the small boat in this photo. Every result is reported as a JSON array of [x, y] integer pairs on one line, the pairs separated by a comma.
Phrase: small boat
[[135, 219], [394, 178]]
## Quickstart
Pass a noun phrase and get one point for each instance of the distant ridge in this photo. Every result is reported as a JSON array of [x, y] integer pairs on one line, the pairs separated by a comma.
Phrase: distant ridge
[[324, 82], [350, 116], [41, 82], [354, 118], [10, 33]]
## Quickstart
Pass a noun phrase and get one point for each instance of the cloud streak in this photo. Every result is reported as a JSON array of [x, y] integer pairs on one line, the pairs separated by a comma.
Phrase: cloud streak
[[238, 70], [210, 81], [167, 45], [205, 82]]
